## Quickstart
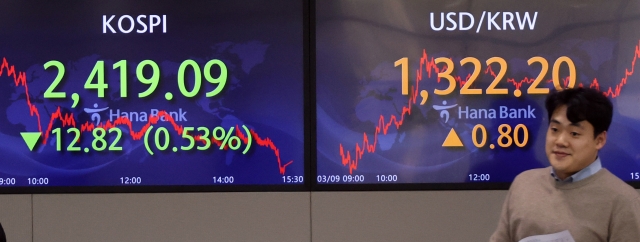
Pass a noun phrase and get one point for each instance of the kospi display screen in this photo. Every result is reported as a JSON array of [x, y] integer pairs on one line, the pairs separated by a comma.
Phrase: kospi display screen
[[452, 92], [151, 93]]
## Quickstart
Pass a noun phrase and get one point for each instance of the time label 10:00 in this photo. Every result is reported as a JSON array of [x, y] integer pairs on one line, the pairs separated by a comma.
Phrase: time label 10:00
[[98, 74], [466, 89]]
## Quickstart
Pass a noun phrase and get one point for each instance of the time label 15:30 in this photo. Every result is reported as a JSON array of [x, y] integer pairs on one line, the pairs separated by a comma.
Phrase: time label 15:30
[[96, 79], [292, 179]]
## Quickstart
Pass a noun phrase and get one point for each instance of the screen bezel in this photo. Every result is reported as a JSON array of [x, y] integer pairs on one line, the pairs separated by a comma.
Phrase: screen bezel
[[305, 186]]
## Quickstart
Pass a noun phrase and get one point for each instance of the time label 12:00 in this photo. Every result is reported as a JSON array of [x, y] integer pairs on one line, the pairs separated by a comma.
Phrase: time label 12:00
[[98, 74]]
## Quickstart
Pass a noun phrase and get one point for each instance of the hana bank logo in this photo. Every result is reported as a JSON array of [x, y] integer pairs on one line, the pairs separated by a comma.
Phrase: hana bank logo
[[95, 116], [136, 116], [444, 113]]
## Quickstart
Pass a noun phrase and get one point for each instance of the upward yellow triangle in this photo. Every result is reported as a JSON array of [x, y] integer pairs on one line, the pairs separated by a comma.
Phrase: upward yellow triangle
[[452, 140]]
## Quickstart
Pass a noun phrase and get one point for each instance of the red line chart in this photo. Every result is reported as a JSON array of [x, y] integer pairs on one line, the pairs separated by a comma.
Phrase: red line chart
[[68, 120], [428, 64]]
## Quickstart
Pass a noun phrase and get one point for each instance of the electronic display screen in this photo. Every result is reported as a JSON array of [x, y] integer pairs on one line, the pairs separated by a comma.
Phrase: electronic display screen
[[452, 92], [152, 93]]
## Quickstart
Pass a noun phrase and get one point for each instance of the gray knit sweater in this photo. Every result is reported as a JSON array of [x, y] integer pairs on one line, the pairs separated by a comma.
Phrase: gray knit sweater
[[599, 208]]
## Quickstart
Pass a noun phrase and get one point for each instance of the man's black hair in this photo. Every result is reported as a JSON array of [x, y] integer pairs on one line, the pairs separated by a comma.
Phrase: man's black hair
[[583, 104]]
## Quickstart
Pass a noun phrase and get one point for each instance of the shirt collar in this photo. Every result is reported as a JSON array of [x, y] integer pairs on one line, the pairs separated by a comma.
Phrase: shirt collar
[[582, 174]]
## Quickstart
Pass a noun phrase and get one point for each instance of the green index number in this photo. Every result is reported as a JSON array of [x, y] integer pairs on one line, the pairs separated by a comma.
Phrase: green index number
[[164, 131], [115, 141], [97, 73], [98, 135], [71, 146], [99, 140], [221, 80], [204, 138], [123, 76], [49, 93], [186, 135], [76, 138], [153, 81], [181, 77], [56, 131]]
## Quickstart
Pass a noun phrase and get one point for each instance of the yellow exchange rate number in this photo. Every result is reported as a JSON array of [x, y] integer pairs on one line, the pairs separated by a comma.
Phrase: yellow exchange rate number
[[447, 73], [506, 138]]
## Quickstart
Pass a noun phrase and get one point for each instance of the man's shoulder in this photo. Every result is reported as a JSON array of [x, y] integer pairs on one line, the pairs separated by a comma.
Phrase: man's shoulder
[[533, 174], [621, 189], [529, 178]]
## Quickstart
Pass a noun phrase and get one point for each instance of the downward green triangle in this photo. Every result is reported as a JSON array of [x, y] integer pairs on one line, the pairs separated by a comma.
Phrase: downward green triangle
[[31, 138]]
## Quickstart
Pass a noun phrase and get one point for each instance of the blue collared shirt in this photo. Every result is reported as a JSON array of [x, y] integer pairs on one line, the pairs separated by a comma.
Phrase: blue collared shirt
[[582, 174]]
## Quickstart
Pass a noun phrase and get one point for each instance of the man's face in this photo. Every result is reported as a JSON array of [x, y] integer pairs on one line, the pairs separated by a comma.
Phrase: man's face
[[570, 146]]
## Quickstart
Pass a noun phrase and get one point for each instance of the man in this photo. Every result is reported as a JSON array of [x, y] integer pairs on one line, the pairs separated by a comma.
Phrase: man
[[575, 197]]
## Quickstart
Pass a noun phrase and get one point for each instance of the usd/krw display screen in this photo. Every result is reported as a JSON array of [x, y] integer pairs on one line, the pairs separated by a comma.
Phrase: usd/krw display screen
[[151, 93], [453, 91]]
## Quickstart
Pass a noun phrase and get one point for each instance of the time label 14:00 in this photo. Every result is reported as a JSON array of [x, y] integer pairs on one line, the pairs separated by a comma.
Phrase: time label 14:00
[[96, 79]]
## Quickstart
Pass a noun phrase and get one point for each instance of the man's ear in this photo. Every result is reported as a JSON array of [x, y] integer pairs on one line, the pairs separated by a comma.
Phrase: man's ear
[[601, 139]]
